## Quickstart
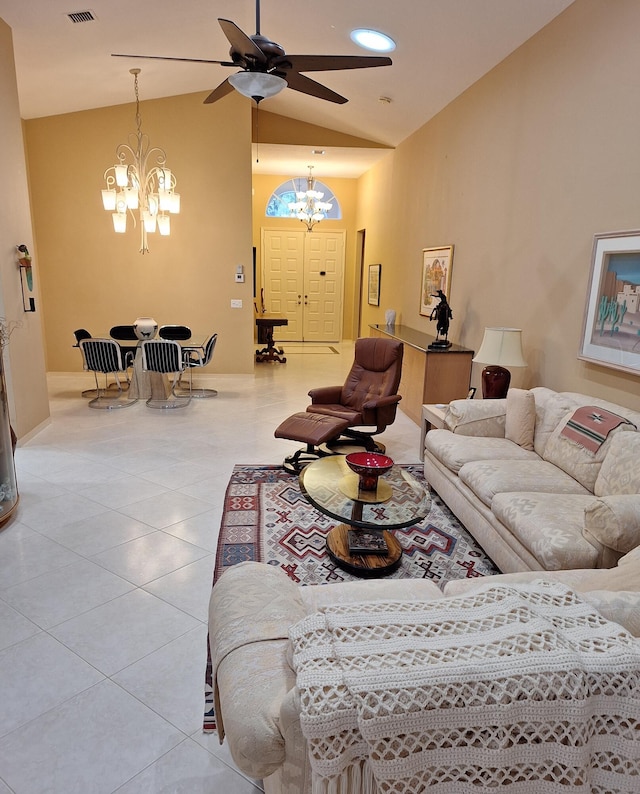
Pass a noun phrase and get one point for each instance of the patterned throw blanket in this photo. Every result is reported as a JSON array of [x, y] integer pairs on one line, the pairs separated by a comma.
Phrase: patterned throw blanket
[[525, 689], [589, 426]]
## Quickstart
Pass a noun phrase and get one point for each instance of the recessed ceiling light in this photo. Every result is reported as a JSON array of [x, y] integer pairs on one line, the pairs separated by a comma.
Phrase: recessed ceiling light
[[373, 40]]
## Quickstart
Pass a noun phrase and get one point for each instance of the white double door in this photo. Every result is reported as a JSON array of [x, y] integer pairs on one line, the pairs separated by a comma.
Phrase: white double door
[[303, 279]]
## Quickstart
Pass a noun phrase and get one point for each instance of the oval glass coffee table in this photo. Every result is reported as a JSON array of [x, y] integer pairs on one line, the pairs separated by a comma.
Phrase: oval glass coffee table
[[372, 550]]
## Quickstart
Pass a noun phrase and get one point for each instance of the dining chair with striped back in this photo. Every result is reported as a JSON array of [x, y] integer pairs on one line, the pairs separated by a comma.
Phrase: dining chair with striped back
[[104, 356], [166, 357], [199, 357]]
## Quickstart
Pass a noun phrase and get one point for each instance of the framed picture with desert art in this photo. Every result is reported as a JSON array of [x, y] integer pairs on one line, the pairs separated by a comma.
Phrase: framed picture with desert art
[[374, 284], [436, 274], [611, 326]]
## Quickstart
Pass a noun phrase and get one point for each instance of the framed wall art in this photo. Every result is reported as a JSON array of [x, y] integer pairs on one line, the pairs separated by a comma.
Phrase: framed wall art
[[611, 326], [374, 284], [436, 274]]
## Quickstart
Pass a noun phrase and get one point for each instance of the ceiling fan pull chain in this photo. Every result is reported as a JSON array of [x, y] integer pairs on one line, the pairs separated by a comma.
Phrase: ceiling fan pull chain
[[257, 134]]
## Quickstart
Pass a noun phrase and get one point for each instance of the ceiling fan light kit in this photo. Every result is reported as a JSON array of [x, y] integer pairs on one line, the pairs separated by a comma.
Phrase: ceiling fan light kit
[[134, 184], [257, 85], [267, 69]]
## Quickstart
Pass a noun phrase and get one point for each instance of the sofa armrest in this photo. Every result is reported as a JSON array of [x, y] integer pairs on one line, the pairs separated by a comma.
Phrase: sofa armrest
[[477, 417], [614, 521], [251, 610]]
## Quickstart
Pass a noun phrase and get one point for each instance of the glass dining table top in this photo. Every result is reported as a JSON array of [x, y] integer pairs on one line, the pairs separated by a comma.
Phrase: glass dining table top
[[321, 482]]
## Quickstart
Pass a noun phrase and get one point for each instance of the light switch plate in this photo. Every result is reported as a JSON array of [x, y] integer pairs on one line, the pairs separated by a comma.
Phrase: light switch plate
[[236, 304]]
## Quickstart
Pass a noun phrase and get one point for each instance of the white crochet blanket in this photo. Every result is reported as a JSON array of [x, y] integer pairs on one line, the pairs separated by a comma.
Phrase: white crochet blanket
[[525, 689]]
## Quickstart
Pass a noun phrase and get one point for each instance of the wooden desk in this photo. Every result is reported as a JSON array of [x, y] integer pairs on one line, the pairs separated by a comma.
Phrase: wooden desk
[[267, 322], [428, 376]]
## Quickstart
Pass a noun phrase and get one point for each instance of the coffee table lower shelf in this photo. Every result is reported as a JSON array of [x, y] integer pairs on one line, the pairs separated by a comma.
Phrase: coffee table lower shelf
[[364, 565]]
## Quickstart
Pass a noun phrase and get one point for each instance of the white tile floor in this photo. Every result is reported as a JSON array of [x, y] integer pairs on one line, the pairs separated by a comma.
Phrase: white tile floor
[[105, 576]]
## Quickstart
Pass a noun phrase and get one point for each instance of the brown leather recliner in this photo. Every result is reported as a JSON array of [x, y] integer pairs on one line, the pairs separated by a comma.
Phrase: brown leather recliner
[[369, 396]]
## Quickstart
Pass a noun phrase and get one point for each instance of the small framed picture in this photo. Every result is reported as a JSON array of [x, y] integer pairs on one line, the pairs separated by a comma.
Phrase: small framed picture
[[436, 274], [611, 325], [374, 284]]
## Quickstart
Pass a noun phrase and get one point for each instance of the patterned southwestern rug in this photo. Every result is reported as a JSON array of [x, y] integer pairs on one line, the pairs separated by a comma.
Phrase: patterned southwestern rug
[[267, 519]]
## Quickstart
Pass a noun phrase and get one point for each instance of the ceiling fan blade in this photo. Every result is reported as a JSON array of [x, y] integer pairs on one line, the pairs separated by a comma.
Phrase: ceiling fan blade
[[321, 63], [223, 89], [240, 42], [168, 58], [308, 86]]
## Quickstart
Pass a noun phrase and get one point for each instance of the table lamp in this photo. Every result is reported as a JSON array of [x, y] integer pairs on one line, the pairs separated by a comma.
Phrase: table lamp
[[500, 348]]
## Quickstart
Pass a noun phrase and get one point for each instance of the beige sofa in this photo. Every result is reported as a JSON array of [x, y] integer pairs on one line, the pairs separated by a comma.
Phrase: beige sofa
[[533, 498], [253, 607], [539, 516]]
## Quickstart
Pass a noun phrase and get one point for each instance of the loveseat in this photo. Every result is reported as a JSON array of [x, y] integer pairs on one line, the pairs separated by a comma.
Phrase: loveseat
[[253, 609], [517, 474]]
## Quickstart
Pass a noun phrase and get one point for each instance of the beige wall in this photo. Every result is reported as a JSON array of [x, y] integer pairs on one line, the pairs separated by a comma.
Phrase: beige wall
[[24, 357], [519, 173], [346, 191], [94, 278]]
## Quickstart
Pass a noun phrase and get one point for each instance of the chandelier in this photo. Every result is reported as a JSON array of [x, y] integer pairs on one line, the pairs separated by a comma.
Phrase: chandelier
[[309, 208], [140, 182]]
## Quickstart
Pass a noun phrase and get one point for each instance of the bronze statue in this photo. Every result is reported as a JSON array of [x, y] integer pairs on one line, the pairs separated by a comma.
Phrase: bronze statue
[[441, 314]]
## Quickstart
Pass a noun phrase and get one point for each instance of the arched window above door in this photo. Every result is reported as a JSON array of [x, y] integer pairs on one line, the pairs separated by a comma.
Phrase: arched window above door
[[285, 194]]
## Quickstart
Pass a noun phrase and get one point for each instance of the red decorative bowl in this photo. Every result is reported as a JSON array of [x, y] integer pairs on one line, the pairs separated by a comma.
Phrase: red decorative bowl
[[368, 466]]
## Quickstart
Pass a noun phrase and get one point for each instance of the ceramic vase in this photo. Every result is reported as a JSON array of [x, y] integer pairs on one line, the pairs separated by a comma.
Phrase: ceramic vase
[[145, 327]]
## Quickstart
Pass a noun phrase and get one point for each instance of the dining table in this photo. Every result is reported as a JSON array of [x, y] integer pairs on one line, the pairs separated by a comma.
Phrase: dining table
[[155, 385]]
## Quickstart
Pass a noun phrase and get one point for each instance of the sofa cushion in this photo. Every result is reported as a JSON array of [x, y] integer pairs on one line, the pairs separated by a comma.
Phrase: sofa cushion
[[620, 473], [488, 478], [614, 521], [455, 450], [551, 407], [520, 420], [580, 463], [549, 526]]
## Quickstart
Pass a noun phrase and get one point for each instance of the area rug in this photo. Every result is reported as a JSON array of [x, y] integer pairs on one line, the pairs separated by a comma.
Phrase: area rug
[[267, 519]]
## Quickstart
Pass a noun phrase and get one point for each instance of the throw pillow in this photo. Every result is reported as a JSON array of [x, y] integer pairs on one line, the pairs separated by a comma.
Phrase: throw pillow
[[578, 462], [614, 521], [620, 472], [520, 421]]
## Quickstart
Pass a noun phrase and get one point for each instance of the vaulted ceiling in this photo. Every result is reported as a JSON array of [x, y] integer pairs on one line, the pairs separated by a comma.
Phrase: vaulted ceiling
[[443, 47]]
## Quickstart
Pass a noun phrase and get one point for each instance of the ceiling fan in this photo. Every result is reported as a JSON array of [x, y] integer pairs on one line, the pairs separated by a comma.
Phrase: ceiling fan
[[267, 69]]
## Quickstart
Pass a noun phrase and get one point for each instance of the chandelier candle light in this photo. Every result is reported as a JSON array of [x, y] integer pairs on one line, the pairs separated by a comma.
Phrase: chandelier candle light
[[140, 181], [309, 208]]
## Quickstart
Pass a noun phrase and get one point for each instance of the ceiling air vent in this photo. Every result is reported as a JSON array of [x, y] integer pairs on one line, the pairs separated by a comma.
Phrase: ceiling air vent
[[81, 16]]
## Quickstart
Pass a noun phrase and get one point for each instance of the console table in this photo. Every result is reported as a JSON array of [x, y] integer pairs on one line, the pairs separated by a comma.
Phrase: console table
[[428, 376]]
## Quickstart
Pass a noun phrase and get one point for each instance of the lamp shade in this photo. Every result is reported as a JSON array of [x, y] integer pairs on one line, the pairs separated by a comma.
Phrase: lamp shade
[[501, 346]]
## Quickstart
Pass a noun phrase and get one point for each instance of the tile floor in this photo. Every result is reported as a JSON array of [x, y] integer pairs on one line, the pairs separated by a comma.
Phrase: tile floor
[[105, 576]]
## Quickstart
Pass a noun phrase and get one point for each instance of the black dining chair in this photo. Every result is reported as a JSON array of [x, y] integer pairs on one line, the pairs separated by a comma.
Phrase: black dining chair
[[125, 333], [165, 356], [80, 334], [181, 333], [105, 356]]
